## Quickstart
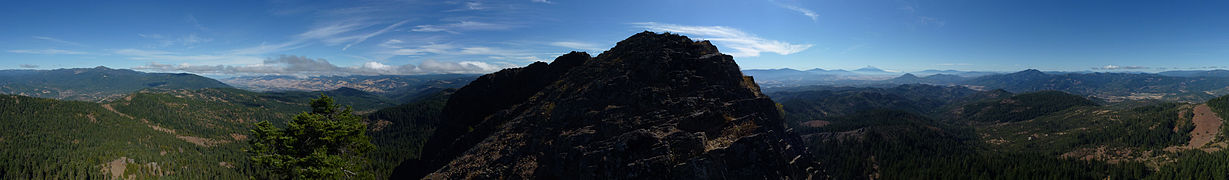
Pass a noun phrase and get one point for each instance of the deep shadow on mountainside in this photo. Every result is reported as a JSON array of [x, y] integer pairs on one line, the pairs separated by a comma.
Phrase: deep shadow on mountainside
[[657, 106]]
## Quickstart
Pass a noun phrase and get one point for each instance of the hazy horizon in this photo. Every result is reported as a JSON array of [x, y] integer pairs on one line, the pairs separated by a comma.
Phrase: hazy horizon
[[238, 38]]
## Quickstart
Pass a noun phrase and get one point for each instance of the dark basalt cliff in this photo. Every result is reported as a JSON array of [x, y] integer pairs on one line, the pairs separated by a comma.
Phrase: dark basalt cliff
[[656, 106]]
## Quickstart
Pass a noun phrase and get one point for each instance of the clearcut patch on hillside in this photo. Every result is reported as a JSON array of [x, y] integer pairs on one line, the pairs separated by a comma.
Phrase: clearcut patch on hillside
[[1207, 124]]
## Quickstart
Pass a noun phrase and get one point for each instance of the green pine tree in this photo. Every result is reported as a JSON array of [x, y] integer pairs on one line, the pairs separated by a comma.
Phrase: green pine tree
[[327, 143]]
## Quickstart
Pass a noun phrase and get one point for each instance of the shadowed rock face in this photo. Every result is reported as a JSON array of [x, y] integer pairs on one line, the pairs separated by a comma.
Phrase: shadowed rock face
[[657, 106]]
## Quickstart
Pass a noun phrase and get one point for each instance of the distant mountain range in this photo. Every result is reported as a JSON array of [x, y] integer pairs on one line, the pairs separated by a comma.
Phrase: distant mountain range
[[1209, 73], [394, 87], [103, 84], [374, 84], [1190, 86], [786, 77], [95, 84]]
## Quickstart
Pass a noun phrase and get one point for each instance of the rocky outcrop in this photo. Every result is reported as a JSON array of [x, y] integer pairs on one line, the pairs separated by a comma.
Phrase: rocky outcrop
[[657, 106]]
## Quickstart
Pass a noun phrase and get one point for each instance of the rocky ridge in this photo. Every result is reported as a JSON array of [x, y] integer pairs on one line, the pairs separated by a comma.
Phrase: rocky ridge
[[657, 106]]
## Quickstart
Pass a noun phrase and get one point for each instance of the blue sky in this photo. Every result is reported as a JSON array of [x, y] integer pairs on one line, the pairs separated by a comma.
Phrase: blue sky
[[227, 38]]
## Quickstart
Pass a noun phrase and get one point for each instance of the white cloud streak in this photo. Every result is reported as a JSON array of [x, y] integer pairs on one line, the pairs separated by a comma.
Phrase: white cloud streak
[[577, 45], [743, 44], [456, 28], [919, 20], [332, 30], [854, 47], [453, 51], [47, 51], [364, 37], [805, 12], [156, 55], [58, 41], [304, 66], [164, 41], [346, 30], [1115, 67], [424, 49]]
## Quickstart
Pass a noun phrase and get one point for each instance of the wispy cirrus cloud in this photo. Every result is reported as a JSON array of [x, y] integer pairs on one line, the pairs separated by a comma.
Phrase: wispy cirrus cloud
[[164, 41], [330, 33], [364, 37], [452, 51], [470, 6], [191, 19], [577, 45], [804, 11], [743, 44], [424, 49], [1115, 67], [346, 26], [920, 20], [482, 50], [47, 51], [542, 1], [855, 47], [265, 48], [58, 41], [456, 28], [157, 55], [445, 49], [304, 66]]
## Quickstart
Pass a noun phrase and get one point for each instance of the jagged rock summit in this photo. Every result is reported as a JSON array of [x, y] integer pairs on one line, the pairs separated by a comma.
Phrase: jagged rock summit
[[656, 106]]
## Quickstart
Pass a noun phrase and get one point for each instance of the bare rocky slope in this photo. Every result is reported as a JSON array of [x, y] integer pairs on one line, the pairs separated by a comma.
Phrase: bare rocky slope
[[656, 106]]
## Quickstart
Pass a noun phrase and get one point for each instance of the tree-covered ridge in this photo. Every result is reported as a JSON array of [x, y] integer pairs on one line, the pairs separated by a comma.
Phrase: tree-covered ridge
[[1046, 135], [1070, 132], [1220, 106], [1020, 107], [401, 131], [95, 84], [886, 144], [46, 138], [190, 134], [802, 106], [1112, 86]]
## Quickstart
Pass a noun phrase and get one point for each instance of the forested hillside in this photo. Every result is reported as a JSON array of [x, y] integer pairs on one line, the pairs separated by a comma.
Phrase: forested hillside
[[1019, 107], [991, 134], [192, 134], [1110, 86], [401, 131], [46, 138], [835, 102]]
